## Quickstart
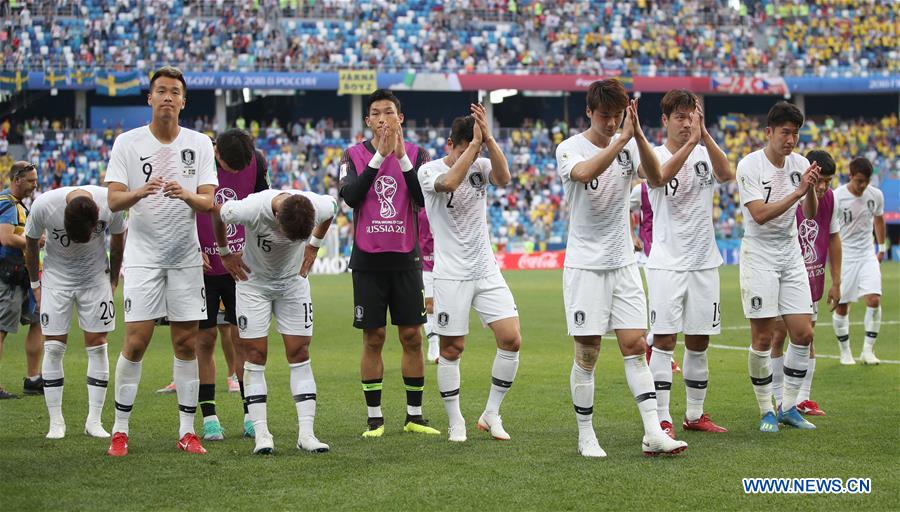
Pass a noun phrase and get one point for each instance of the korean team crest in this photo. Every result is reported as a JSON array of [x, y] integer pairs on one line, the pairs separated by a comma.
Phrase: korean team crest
[[242, 323], [187, 156], [579, 318], [652, 317], [756, 303], [127, 305], [358, 313], [795, 179], [870, 204], [443, 319], [624, 159], [476, 179], [701, 169], [45, 319], [100, 228]]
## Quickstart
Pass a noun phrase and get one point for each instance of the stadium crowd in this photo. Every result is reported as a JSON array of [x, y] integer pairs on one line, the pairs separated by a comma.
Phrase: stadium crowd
[[305, 154], [638, 37]]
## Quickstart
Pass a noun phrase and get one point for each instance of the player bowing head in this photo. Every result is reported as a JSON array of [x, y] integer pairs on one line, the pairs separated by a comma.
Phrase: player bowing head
[[80, 219], [296, 217]]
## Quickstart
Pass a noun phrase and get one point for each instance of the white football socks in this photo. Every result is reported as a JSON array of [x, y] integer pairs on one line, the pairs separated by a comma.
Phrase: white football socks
[[303, 387], [760, 369], [695, 370], [503, 373], [448, 385], [640, 381], [661, 367], [128, 376], [97, 381], [186, 375]]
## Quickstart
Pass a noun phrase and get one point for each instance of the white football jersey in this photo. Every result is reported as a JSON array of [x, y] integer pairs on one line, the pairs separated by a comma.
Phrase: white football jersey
[[162, 231], [857, 217], [773, 245], [462, 245], [68, 265], [599, 237], [683, 234], [270, 255]]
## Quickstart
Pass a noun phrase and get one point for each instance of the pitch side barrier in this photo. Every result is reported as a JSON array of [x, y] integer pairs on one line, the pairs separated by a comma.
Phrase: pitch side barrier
[[79, 79]]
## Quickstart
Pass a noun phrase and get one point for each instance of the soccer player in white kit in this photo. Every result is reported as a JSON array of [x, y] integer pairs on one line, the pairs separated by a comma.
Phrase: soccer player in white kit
[[77, 273], [163, 174], [860, 209], [284, 230], [683, 266], [465, 272], [772, 181], [602, 286]]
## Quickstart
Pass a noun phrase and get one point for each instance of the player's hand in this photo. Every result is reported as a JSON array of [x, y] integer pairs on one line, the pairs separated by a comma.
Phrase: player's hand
[[113, 284], [386, 140], [880, 257], [834, 296], [206, 265], [480, 115], [703, 133], [153, 186], [37, 296], [696, 126], [309, 257], [174, 190], [630, 126], [637, 243], [809, 179], [399, 146], [477, 137], [235, 266], [42, 241]]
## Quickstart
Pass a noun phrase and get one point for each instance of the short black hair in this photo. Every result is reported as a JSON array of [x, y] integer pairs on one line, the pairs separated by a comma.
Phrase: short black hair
[[462, 130], [235, 148], [296, 217], [382, 94], [169, 72], [610, 93], [80, 219], [861, 165], [783, 113], [823, 158], [676, 99]]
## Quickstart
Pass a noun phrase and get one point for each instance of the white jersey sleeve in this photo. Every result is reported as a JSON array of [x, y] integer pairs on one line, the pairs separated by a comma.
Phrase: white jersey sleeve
[[34, 223], [634, 201], [246, 211], [117, 168], [567, 157]]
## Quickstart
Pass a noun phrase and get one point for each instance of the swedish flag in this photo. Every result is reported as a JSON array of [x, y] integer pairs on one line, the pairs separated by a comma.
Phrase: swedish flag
[[117, 84], [13, 80]]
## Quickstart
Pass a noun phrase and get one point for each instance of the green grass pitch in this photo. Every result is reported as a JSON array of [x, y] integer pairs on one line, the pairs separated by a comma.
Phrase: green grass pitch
[[537, 470]]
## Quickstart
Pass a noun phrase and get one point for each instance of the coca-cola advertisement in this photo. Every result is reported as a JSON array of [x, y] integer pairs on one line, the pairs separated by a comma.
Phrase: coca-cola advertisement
[[541, 260]]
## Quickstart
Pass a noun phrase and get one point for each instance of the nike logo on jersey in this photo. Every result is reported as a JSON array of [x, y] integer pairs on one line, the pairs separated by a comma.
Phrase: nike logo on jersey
[[717, 324], [142, 158], [107, 322], [767, 182], [307, 326]]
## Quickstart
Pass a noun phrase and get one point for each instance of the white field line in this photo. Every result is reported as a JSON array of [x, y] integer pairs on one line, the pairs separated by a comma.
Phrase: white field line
[[825, 356]]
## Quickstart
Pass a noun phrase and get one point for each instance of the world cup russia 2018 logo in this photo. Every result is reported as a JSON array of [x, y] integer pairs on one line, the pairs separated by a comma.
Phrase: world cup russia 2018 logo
[[808, 232], [224, 195], [385, 188]]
